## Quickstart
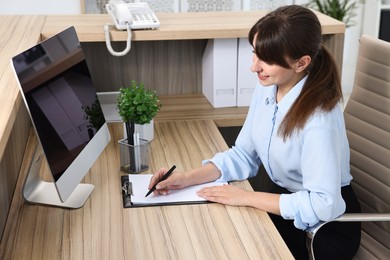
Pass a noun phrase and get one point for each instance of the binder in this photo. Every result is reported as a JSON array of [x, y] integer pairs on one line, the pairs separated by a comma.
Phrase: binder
[[246, 79], [137, 183], [219, 72]]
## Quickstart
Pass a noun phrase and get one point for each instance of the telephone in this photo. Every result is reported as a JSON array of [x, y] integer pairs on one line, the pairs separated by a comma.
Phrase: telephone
[[137, 15], [128, 16]]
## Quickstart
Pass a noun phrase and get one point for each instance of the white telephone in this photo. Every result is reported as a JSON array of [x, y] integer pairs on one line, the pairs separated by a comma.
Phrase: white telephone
[[137, 15], [127, 16]]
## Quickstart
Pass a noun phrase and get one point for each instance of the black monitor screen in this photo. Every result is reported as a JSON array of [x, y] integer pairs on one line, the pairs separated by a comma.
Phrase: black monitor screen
[[61, 97]]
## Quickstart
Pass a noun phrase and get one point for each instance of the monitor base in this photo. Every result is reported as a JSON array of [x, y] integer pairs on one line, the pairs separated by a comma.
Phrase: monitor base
[[37, 191]]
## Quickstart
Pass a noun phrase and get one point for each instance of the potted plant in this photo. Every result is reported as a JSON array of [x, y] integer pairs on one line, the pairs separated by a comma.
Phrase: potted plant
[[342, 10], [136, 105]]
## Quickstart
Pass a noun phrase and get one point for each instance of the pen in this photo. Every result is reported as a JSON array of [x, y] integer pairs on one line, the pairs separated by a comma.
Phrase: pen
[[163, 178]]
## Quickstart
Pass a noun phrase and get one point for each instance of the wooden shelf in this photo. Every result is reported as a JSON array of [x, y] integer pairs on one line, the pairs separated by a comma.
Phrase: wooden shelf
[[196, 106], [182, 107]]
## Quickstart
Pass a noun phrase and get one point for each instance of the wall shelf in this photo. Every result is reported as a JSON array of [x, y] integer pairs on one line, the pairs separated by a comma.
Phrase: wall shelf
[[182, 107]]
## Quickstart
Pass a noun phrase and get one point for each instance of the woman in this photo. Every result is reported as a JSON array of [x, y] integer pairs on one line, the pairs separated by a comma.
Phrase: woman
[[295, 129]]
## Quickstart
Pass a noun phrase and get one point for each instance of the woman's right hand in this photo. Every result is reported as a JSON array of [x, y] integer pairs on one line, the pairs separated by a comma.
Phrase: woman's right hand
[[175, 181]]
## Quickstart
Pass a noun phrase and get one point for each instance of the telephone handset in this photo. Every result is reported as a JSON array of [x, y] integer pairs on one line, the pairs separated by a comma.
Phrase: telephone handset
[[127, 16], [137, 15]]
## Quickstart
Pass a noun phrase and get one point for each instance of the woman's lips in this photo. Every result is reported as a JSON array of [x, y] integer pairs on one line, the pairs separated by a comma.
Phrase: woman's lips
[[262, 77]]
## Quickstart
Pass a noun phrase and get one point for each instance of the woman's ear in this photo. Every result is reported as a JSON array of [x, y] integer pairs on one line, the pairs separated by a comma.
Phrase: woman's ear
[[302, 63]]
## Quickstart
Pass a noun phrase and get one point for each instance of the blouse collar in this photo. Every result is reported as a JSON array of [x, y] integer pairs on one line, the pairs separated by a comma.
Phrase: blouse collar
[[287, 101]]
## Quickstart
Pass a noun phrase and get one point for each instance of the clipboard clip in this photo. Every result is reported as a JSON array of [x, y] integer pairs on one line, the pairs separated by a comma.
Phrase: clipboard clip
[[127, 188], [127, 191]]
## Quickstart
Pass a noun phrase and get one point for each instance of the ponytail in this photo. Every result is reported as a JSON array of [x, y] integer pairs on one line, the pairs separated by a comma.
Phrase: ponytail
[[322, 90]]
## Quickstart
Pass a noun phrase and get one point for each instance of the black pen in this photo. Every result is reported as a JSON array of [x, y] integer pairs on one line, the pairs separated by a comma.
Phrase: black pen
[[163, 178]]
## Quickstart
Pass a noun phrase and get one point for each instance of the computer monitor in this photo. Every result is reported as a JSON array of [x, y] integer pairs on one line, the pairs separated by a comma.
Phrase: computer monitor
[[61, 100]]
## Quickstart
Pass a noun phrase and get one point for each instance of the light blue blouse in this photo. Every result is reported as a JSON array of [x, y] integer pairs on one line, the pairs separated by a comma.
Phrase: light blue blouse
[[313, 163]]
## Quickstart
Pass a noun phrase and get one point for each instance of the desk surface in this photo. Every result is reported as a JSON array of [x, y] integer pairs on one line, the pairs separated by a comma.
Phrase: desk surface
[[102, 229], [17, 34], [174, 26]]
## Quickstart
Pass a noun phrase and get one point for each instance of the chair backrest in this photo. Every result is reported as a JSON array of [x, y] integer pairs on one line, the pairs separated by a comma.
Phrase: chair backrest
[[367, 117]]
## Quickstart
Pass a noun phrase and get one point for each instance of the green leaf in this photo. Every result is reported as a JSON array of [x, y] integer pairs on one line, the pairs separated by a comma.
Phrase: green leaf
[[137, 103], [342, 10]]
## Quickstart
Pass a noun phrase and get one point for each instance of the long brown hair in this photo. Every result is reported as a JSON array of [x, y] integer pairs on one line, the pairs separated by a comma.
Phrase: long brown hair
[[292, 32]]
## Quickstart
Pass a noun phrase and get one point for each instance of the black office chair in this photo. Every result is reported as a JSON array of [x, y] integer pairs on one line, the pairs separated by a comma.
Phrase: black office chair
[[367, 118]]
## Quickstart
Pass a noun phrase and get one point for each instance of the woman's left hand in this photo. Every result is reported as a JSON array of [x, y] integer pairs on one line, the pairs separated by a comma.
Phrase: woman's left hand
[[226, 194]]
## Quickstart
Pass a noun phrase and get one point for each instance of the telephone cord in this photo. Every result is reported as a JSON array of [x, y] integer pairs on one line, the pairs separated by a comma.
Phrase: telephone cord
[[108, 42]]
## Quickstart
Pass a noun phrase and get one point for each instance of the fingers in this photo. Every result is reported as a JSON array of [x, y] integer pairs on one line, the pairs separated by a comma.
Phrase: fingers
[[174, 182], [163, 187], [156, 177], [214, 193], [225, 194]]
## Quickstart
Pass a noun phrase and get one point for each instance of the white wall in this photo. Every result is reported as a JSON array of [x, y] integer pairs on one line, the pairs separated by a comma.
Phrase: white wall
[[371, 17], [351, 49], [367, 22], [40, 7]]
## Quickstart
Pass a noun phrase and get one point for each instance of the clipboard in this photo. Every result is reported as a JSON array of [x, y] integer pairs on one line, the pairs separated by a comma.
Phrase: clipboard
[[137, 183]]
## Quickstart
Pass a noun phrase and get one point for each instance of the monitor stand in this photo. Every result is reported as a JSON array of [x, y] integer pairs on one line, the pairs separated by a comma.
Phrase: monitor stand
[[37, 191]]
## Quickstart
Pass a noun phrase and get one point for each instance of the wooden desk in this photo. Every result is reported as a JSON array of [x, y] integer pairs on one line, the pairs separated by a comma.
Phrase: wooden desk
[[102, 229], [17, 34], [174, 26], [177, 34]]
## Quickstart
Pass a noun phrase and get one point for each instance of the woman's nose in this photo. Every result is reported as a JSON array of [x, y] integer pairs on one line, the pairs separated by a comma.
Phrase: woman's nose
[[256, 64]]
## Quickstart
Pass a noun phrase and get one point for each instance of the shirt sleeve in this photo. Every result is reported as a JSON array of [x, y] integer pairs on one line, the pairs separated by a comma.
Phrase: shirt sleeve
[[241, 161], [323, 149]]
